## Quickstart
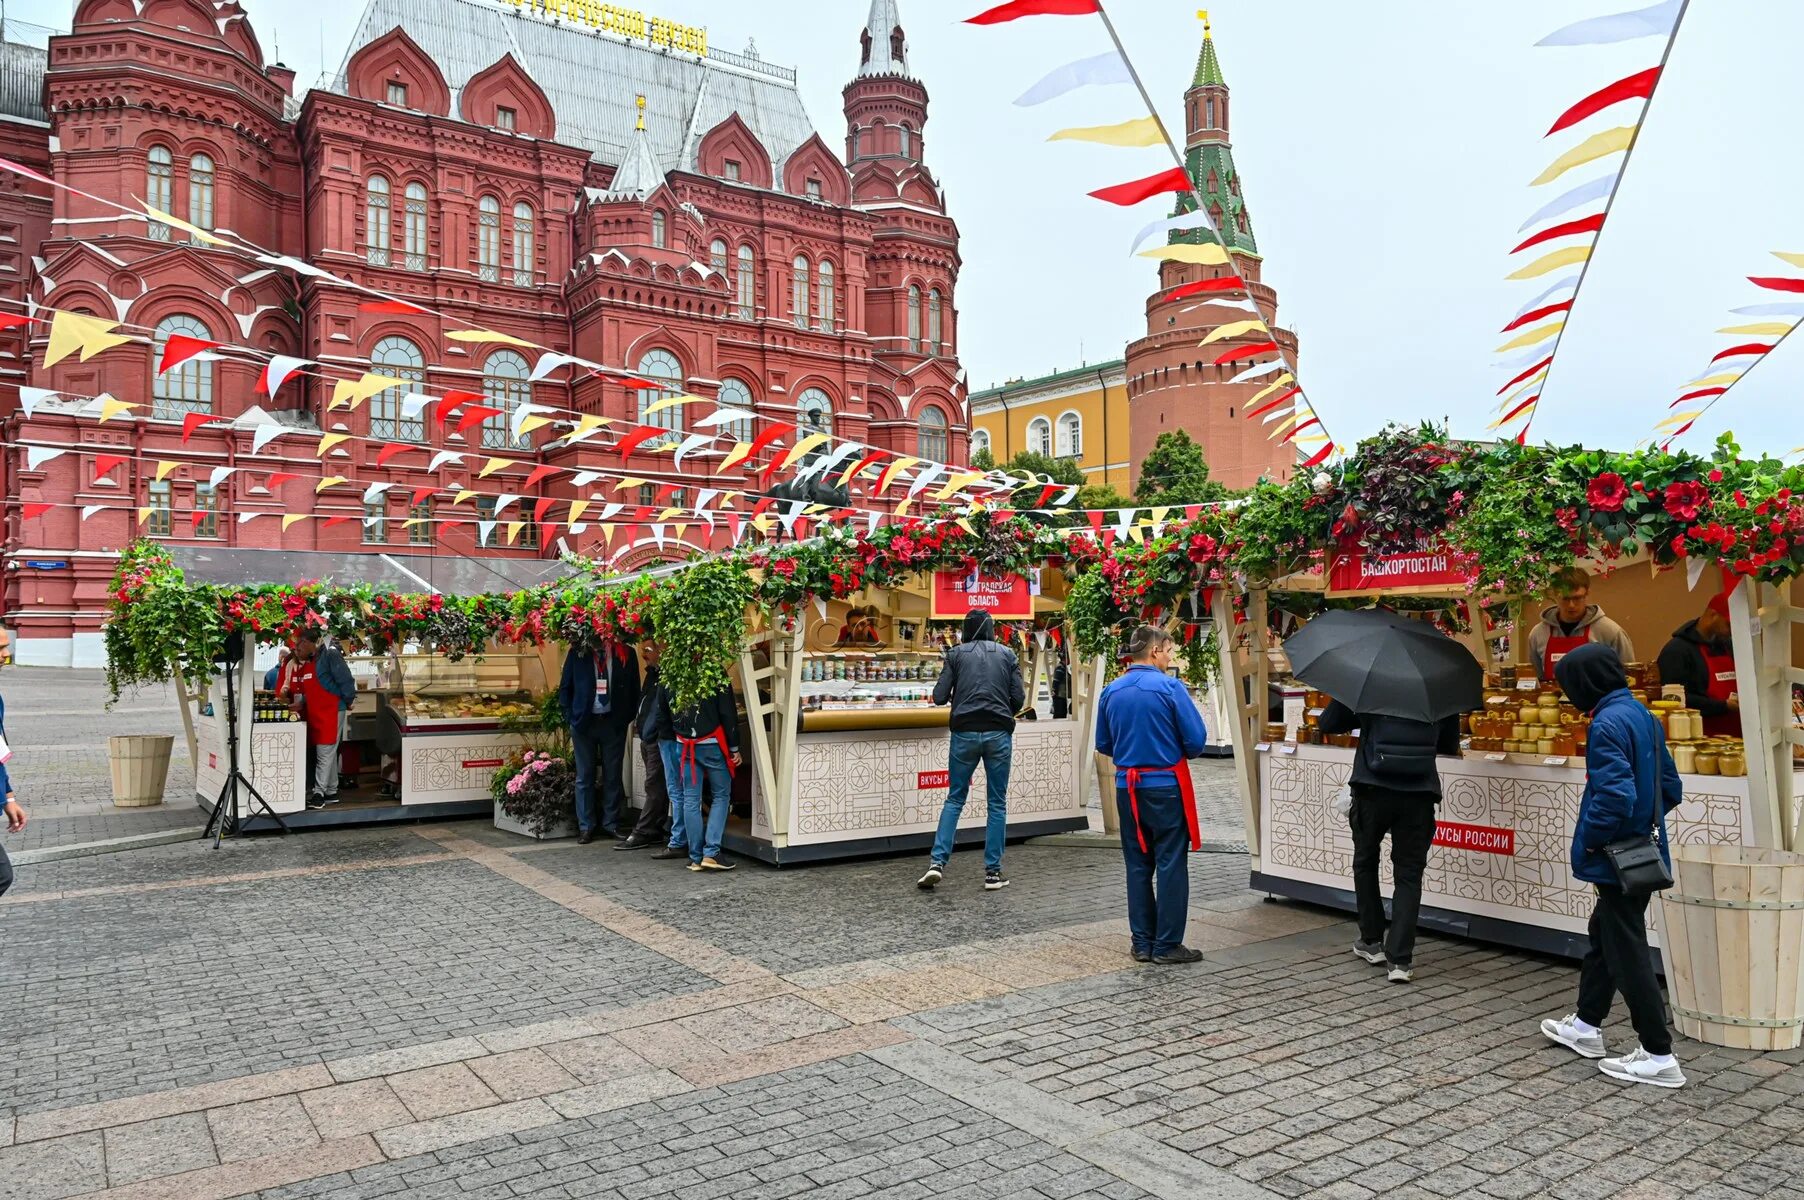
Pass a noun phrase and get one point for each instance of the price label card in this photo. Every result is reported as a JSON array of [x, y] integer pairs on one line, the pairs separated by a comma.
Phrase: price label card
[[1262, 746], [1527, 685], [1287, 748], [1556, 761], [1497, 758]]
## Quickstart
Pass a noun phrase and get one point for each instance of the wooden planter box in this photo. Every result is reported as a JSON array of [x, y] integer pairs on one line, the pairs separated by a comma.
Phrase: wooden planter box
[[1732, 932], [140, 768], [508, 824]]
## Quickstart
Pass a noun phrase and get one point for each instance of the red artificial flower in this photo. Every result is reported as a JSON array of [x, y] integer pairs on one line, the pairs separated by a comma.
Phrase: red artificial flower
[[1686, 499], [1716, 476], [1741, 501], [1607, 492], [1678, 545]]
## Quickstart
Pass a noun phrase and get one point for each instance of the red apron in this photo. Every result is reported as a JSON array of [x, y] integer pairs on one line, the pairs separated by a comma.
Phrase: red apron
[[687, 763], [320, 706], [1558, 648], [1721, 672], [1186, 790]]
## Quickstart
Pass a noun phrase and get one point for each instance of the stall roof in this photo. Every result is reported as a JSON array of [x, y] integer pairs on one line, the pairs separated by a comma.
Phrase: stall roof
[[456, 576]]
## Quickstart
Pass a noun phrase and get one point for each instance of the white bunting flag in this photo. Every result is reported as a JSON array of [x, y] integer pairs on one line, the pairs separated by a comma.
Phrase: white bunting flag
[[657, 536], [1255, 371], [723, 416], [443, 457], [1571, 281], [280, 368], [1190, 220], [1783, 308], [251, 516], [413, 404], [609, 511], [265, 434], [37, 456], [1584, 193], [928, 474], [824, 466], [88, 510], [551, 361], [220, 475], [502, 502], [1099, 71], [692, 443], [31, 397], [1654, 21], [374, 492], [584, 478]]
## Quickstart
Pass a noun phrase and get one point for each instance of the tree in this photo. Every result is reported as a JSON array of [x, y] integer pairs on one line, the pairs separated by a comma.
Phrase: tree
[[1175, 472], [1101, 495]]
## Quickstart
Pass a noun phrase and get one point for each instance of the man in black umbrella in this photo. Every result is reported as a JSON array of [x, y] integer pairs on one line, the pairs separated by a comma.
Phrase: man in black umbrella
[[1396, 787]]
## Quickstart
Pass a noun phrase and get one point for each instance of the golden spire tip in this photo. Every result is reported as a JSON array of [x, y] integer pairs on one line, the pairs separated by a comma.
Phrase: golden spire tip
[[1202, 14]]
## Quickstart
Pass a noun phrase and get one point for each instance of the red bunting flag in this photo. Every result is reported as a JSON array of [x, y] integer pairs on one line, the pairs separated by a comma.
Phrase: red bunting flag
[[860, 465], [1047, 493], [759, 508], [475, 414], [1135, 190], [393, 448], [453, 401], [664, 495], [1227, 283], [331, 521], [1095, 518], [1534, 314], [104, 463], [180, 348], [393, 307], [1301, 426], [1528, 403], [637, 438], [538, 473], [1697, 395], [1247, 352], [419, 496], [1270, 404], [771, 433], [642, 384], [14, 320], [1675, 433], [1321, 456], [280, 478], [541, 508], [1744, 348], [28, 511], [1014, 10], [1638, 86], [1192, 511], [1546, 362], [193, 421], [197, 516], [1589, 224], [1777, 283]]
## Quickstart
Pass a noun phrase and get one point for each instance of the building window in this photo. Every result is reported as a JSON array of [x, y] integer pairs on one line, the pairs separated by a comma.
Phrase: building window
[[200, 191], [798, 300], [397, 93], [732, 167], [488, 239], [522, 244], [206, 502], [914, 320], [648, 494], [717, 255], [980, 442], [814, 189], [1209, 113], [420, 534], [397, 358], [161, 521], [824, 313], [857, 141], [661, 366], [814, 412], [529, 535], [1071, 436], [414, 228], [375, 221], [504, 384], [505, 118], [935, 317], [183, 389], [658, 234], [735, 393], [375, 521], [1039, 436], [159, 189], [907, 141], [748, 286], [485, 514], [935, 439]]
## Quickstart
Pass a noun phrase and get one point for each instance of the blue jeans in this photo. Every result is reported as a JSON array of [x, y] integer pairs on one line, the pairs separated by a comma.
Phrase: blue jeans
[[995, 749], [1157, 921], [704, 842], [600, 751], [672, 754]]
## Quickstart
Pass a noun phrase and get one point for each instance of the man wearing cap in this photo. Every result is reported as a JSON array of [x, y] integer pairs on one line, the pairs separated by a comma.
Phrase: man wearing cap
[[1701, 659], [1572, 621]]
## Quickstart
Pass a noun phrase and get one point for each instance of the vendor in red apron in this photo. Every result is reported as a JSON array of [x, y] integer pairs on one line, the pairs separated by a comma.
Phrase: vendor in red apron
[[1572, 621], [321, 689], [1147, 722], [707, 735], [1701, 659]]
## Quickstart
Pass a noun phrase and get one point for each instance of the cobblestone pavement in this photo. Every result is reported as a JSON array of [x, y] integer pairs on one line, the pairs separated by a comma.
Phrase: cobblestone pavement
[[442, 1011]]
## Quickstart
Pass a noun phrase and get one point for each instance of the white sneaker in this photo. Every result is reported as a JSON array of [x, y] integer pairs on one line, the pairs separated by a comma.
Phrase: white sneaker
[[1638, 1066], [1399, 974], [932, 878], [1565, 1032]]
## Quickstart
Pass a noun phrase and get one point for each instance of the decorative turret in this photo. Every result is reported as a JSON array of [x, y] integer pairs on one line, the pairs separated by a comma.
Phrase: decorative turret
[[640, 172], [1209, 156], [886, 107], [885, 46]]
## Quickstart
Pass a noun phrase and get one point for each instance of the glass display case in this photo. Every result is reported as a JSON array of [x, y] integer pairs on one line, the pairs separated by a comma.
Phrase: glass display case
[[869, 689], [429, 691]]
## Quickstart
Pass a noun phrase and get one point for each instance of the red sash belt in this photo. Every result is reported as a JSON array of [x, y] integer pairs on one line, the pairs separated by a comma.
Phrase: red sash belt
[[718, 737], [1186, 790]]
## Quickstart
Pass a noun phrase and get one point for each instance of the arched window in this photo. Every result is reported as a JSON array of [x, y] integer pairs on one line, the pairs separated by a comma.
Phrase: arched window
[[914, 320], [824, 313], [1209, 113], [1071, 436], [735, 393], [980, 442], [857, 141], [488, 239], [375, 221], [413, 245], [935, 316], [814, 412], [798, 300], [397, 358], [935, 441], [907, 142], [159, 188], [504, 384], [748, 285], [1039, 436], [661, 367], [522, 244], [183, 389], [657, 228], [717, 255], [200, 191]]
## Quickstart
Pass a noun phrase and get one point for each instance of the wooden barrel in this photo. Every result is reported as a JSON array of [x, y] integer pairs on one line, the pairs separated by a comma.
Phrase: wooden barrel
[[1732, 935], [140, 764]]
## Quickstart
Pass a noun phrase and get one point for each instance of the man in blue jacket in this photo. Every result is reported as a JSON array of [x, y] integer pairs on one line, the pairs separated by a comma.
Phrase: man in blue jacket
[[1148, 724], [1630, 786], [15, 815], [599, 696]]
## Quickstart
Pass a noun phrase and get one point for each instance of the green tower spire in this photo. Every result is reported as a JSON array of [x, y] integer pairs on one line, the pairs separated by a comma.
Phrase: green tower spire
[[1209, 159], [1208, 67]]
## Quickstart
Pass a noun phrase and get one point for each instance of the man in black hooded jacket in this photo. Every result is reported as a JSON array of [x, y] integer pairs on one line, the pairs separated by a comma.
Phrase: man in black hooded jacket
[[982, 682]]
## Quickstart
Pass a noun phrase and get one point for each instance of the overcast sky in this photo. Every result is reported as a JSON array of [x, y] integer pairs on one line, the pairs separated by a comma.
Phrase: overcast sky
[[1386, 150]]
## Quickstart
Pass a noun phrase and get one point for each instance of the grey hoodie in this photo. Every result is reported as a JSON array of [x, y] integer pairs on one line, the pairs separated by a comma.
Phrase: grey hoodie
[[1601, 628]]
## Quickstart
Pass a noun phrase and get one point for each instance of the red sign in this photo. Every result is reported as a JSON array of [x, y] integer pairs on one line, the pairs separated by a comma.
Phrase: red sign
[[928, 780], [1005, 597], [470, 763], [212, 761], [1354, 570], [1481, 838]]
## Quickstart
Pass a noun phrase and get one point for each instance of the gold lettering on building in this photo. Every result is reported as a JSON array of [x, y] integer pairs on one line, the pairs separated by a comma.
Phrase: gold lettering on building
[[621, 21]]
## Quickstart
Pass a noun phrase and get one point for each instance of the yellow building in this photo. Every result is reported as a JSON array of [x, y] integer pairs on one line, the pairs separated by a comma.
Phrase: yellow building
[[1080, 414]]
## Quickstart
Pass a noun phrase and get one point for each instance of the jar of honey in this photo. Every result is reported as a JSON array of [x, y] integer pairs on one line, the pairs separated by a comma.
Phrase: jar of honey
[[1732, 762], [1685, 758], [1708, 762], [1565, 744]]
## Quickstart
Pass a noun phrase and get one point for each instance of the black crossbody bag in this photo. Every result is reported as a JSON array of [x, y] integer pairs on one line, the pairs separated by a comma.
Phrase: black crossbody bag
[[1640, 868]]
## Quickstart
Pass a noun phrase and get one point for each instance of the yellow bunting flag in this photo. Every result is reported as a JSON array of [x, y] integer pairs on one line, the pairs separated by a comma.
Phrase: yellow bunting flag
[[327, 482], [163, 469], [1759, 329], [763, 523], [892, 471], [902, 508], [513, 530], [1286, 423], [487, 335], [144, 514], [329, 440], [1202, 254], [1158, 516], [410, 522], [110, 408], [966, 526], [72, 332], [680, 530], [1678, 418], [1143, 131], [607, 534], [1727, 377], [493, 465], [290, 518], [532, 421], [1282, 381], [1502, 421], [1610, 141], [585, 426], [1786, 256], [667, 402], [1232, 329], [802, 447], [193, 231], [1529, 337], [1552, 261], [577, 508], [670, 512], [1528, 385], [960, 479], [463, 494], [630, 481], [814, 510]]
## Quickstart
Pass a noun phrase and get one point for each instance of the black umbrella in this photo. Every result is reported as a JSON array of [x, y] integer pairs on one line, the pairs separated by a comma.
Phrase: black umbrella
[[1382, 663]]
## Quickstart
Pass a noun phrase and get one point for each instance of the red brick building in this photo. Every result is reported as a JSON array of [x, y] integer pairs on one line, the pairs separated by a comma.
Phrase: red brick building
[[666, 212]]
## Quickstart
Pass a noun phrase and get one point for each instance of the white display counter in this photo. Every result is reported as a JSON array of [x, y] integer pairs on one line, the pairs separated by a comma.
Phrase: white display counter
[[273, 757], [448, 761]]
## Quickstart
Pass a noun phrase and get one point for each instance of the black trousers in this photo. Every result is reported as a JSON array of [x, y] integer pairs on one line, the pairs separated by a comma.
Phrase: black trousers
[[1409, 818], [6, 871], [1619, 961], [654, 817]]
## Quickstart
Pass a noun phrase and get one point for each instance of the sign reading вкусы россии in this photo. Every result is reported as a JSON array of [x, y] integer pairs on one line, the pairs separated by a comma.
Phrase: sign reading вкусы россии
[[619, 19]]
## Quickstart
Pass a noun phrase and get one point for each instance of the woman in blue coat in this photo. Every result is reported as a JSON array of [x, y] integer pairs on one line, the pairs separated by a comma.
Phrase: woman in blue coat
[[1630, 786]]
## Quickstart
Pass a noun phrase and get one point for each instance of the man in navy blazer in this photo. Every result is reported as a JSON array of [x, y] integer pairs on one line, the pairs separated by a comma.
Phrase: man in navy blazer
[[599, 696]]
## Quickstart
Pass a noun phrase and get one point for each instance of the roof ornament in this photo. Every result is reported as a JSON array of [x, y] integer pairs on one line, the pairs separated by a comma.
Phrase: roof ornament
[[1202, 14], [641, 125]]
